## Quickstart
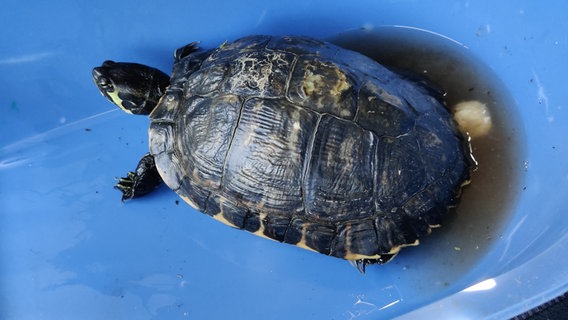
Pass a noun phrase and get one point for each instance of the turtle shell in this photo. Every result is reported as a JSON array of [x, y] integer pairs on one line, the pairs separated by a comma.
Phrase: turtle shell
[[306, 143]]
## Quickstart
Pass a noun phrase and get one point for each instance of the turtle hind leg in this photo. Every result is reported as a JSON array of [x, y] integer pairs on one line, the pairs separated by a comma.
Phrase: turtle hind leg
[[361, 264], [141, 181]]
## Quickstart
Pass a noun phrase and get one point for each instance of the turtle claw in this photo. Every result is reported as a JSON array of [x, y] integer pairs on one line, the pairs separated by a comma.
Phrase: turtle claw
[[186, 50], [126, 186], [361, 264], [141, 181]]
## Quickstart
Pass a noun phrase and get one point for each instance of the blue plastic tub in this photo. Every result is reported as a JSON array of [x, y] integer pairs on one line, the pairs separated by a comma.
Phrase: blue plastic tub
[[69, 249]]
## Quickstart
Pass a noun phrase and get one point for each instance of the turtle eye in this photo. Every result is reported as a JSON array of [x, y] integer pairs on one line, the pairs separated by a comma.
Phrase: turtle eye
[[102, 82], [105, 85]]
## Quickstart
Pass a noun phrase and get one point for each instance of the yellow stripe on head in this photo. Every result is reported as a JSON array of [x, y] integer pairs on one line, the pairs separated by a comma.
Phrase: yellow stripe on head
[[114, 98]]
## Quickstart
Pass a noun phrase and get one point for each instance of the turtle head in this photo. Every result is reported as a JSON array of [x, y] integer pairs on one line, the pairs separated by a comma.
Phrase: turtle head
[[135, 88]]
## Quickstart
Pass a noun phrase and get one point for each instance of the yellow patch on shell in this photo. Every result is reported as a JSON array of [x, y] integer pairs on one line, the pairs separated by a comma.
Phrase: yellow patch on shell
[[220, 217], [312, 82], [260, 231], [190, 202], [393, 251], [302, 243], [356, 256], [341, 84]]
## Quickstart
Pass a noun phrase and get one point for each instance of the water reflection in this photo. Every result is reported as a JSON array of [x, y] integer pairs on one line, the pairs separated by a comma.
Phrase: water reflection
[[26, 58]]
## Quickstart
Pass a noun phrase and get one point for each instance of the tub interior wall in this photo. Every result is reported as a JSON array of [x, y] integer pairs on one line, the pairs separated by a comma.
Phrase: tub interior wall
[[65, 237]]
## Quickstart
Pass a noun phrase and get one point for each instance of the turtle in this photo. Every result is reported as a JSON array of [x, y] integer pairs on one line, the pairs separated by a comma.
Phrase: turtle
[[296, 140]]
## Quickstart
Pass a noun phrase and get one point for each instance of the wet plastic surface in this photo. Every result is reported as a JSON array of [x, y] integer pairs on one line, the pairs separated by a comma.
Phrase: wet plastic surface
[[70, 249]]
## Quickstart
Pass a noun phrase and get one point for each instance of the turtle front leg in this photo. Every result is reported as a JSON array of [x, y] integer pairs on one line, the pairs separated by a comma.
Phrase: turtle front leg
[[141, 181]]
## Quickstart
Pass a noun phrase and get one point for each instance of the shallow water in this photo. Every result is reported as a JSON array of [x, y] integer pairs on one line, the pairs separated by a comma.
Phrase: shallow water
[[487, 202]]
